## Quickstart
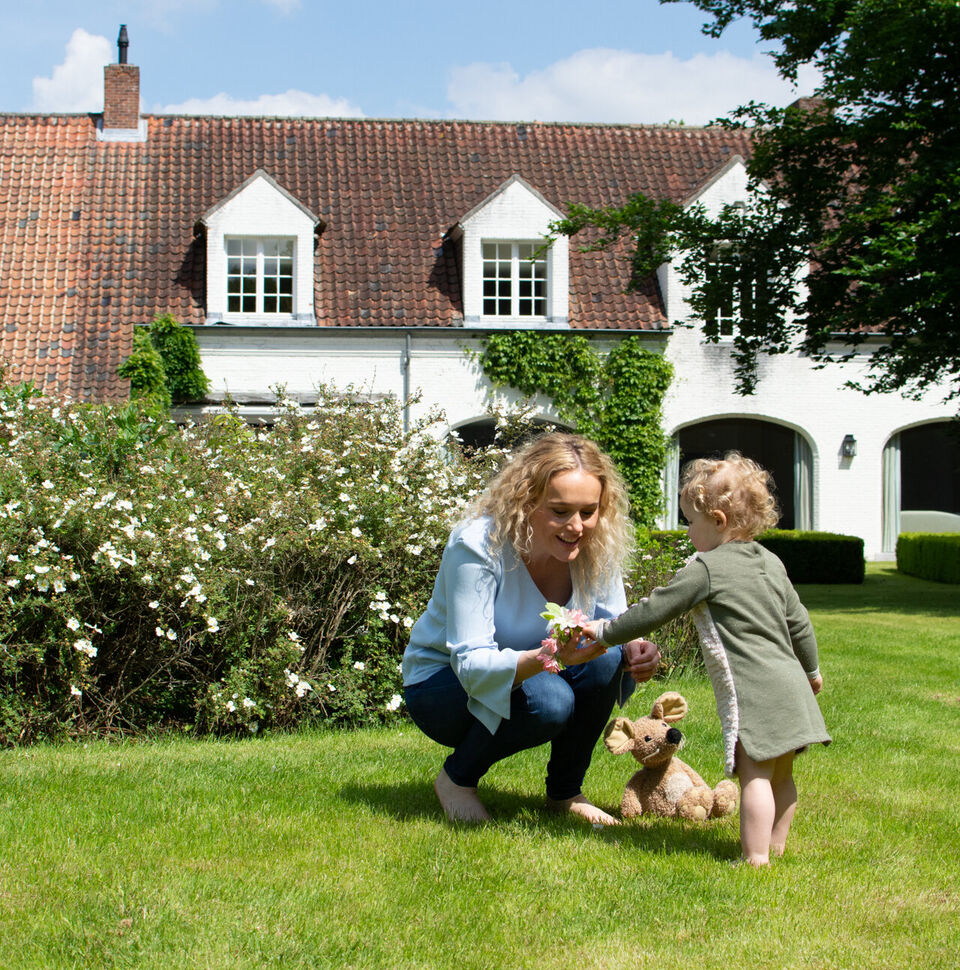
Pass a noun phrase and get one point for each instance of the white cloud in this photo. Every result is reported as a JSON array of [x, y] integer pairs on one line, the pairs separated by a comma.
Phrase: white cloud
[[77, 83], [604, 85], [290, 103]]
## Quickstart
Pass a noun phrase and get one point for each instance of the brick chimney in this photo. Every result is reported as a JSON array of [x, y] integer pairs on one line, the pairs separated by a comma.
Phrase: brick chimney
[[121, 90]]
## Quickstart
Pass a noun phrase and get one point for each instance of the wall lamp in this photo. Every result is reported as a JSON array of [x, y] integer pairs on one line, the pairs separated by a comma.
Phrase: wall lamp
[[848, 447]]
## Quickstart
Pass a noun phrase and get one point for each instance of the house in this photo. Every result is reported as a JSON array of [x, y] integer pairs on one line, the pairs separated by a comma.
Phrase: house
[[379, 253]]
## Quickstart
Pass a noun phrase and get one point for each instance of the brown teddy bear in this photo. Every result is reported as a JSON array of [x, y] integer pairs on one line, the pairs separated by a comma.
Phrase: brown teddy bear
[[665, 785]]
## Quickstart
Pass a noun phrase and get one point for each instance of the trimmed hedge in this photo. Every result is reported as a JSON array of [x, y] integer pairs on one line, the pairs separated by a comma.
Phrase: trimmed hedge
[[817, 557], [809, 557], [930, 555]]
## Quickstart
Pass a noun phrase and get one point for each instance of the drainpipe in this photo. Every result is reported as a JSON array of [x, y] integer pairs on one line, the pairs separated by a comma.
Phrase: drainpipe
[[405, 366]]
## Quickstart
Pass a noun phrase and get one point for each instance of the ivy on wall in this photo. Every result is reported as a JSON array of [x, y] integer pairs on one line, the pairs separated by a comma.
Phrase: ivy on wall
[[614, 398]]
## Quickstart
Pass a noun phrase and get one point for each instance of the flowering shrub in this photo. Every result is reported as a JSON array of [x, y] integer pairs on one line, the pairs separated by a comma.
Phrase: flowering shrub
[[215, 576], [659, 555]]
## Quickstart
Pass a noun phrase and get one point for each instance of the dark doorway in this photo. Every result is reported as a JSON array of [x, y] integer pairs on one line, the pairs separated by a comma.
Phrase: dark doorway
[[770, 445], [930, 468]]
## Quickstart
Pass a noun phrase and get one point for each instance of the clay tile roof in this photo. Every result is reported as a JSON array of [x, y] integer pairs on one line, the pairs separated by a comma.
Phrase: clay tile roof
[[98, 236]]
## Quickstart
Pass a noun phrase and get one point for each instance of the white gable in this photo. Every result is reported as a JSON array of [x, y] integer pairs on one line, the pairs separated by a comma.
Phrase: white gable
[[514, 212], [263, 209]]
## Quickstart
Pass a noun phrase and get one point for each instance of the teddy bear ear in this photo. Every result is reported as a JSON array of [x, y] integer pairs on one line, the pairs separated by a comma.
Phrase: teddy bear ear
[[670, 707], [618, 736]]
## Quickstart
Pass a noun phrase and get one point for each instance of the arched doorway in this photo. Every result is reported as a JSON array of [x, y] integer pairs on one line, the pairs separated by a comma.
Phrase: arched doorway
[[780, 450], [481, 432], [921, 468]]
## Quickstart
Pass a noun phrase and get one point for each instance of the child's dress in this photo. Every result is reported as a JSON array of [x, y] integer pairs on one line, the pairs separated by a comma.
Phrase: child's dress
[[757, 642]]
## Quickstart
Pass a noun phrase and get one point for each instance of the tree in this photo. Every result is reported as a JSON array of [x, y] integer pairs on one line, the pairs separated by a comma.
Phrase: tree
[[165, 364], [857, 190]]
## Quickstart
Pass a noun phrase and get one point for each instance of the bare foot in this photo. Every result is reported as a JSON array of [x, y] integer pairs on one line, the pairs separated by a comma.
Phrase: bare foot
[[578, 805], [460, 804]]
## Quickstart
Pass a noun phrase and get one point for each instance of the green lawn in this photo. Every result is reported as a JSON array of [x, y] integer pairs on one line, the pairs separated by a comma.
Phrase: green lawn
[[328, 849]]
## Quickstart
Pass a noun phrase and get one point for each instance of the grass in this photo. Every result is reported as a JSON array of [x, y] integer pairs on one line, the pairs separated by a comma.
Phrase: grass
[[328, 850]]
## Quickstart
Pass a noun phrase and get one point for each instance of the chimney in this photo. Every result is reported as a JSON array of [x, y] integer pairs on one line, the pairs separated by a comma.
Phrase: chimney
[[121, 90]]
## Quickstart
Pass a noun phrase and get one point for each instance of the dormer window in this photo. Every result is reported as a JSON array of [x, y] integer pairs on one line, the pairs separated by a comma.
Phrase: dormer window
[[513, 274], [514, 279], [260, 275], [260, 257]]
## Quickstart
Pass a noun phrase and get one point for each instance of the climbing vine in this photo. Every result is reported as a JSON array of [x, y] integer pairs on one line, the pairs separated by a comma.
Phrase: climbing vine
[[614, 398]]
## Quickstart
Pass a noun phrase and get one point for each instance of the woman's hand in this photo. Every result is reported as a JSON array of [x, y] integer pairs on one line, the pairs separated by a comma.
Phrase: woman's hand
[[642, 659], [569, 654]]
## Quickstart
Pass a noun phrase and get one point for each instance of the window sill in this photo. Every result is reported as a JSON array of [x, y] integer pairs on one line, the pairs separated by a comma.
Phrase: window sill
[[261, 319]]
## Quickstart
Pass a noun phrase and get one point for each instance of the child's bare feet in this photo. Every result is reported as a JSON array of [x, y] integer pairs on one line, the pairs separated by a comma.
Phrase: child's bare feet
[[460, 804], [578, 805]]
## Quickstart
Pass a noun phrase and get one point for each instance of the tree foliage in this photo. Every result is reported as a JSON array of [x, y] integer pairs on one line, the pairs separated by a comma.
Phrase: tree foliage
[[856, 190], [164, 365]]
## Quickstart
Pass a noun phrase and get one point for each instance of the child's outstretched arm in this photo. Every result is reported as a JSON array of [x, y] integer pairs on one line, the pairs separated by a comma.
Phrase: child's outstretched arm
[[687, 588]]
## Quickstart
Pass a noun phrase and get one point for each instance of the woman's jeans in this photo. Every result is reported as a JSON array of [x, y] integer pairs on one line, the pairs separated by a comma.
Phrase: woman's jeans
[[569, 709]]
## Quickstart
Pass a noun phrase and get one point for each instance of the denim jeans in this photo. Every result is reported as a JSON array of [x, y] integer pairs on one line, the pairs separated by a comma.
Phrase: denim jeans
[[569, 709]]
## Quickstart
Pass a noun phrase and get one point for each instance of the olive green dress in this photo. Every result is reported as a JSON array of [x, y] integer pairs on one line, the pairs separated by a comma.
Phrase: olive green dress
[[757, 642]]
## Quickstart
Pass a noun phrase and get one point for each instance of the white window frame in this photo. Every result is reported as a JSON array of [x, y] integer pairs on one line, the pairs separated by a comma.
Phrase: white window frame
[[259, 256], [520, 262]]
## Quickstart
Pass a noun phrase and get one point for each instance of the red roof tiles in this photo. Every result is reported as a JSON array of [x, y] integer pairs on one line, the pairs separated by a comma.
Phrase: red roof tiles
[[97, 236]]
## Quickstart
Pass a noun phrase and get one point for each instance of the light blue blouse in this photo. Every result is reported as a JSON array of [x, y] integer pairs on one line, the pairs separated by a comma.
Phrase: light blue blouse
[[484, 610]]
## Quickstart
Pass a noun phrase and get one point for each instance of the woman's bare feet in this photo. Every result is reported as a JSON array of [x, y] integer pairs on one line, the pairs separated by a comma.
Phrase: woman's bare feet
[[460, 804], [578, 805]]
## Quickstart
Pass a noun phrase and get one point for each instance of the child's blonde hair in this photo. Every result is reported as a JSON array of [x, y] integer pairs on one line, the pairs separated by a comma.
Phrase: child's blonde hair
[[736, 486], [520, 486]]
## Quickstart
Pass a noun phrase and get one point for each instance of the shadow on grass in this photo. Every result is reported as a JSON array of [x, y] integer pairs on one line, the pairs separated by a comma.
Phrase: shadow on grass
[[885, 590], [410, 800]]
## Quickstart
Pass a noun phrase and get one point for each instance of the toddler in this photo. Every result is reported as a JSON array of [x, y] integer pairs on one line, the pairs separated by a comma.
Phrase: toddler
[[756, 638]]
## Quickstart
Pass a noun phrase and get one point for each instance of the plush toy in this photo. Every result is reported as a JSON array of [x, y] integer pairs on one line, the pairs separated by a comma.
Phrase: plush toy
[[665, 785]]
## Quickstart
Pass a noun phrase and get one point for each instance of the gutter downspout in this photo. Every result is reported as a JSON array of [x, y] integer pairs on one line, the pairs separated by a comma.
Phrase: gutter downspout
[[405, 367]]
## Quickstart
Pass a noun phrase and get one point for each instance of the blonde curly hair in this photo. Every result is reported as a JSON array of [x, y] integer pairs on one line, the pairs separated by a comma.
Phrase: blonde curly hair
[[519, 487], [736, 486]]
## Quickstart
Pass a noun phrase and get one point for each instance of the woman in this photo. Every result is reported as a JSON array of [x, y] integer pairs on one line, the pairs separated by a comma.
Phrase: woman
[[552, 526]]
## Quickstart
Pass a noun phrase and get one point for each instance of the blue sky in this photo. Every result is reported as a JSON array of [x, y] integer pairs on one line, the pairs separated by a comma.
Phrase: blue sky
[[564, 60]]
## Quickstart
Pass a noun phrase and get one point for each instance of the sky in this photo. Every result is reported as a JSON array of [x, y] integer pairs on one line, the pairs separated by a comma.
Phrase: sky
[[619, 61]]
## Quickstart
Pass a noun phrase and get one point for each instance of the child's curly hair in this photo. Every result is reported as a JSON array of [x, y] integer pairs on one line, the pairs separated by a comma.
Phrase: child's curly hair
[[520, 486], [736, 486]]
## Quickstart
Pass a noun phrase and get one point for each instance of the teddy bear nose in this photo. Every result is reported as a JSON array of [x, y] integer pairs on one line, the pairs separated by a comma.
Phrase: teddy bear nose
[[674, 736]]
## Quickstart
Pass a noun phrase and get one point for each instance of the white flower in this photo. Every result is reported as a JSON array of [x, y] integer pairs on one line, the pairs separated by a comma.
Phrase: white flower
[[231, 707], [394, 702], [248, 703], [408, 622], [293, 636], [75, 691], [171, 634], [159, 631], [351, 560], [355, 532], [359, 665], [268, 544], [73, 623], [153, 604], [48, 484], [212, 625], [331, 688], [85, 646]]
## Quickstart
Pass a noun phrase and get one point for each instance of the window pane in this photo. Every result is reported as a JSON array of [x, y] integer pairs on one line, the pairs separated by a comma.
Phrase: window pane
[[269, 304], [286, 285], [286, 304], [233, 304], [249, 304]]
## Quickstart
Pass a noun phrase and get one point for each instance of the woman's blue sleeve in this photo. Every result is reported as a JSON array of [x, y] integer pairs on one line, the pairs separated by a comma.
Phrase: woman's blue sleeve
[[486, 672]]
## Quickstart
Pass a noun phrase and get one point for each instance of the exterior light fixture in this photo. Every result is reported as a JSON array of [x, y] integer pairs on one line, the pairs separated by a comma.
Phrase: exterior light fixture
[[848, 447]]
